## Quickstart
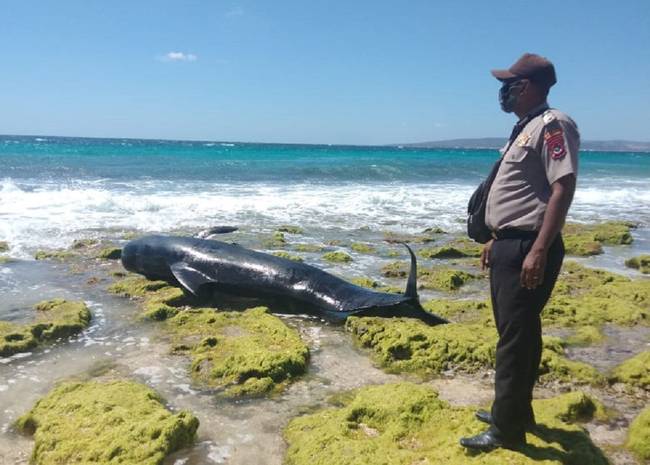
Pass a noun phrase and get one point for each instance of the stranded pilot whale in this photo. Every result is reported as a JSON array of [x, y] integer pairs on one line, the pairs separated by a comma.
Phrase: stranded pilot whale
[[195, 263]]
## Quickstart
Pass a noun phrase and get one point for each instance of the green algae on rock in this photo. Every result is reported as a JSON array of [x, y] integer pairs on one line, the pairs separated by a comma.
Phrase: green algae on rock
[[407, 345], [110, 253], [394, 270], [362, 248], [60, 318], [288, 256], [245, 353], [309, 248], [407, 424], [54, 319], [588, 239], [290, 229], [337, 257], [465, 311], [105, 423], [365, 282], [641, 263], [395, 238], [4, 246], [638, 439], [585, 296], [443, 279], [15, 338], [60, 255], [460, 248], [554, 366], [84, 243], [634, 371], [585, 336], [276, 241], [159, 299]]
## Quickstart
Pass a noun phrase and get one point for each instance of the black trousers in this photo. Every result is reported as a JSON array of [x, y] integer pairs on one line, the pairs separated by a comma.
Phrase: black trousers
[[517, 315]]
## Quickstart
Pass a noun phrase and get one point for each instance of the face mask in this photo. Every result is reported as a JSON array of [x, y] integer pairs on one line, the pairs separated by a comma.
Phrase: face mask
[[509, 95]]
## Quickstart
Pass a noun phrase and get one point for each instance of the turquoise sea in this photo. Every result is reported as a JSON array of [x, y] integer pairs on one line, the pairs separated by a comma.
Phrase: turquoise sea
[[54, 189]]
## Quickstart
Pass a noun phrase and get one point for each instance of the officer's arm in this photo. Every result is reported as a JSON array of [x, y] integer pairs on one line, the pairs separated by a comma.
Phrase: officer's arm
[[562, 191]]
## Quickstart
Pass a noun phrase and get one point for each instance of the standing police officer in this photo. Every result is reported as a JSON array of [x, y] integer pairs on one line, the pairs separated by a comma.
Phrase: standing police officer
[[526, 209]]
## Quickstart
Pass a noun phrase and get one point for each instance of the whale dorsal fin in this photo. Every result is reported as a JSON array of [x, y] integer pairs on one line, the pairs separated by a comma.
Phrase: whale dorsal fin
[[412, 284], [190, 278]]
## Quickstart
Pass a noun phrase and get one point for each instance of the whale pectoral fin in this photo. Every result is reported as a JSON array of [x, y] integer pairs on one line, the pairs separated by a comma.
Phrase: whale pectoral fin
[[190, 278]]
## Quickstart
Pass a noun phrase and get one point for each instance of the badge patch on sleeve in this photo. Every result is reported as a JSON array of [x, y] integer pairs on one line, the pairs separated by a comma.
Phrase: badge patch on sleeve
[[555, 147]]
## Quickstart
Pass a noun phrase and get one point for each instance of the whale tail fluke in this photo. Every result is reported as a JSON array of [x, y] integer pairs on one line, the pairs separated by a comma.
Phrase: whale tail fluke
[[412, 283]]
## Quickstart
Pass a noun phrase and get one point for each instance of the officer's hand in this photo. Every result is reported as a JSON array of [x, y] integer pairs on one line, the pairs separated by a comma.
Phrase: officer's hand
[[532, 271], [485, 255]]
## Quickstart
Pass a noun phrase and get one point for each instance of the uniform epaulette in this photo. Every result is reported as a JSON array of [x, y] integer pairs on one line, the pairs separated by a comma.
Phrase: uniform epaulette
[[548, 117]]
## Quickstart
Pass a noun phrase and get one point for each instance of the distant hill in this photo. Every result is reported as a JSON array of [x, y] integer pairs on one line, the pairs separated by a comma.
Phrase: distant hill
[[498, 142]]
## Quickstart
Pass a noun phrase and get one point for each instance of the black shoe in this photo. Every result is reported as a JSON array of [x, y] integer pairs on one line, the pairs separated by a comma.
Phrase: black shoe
[[489, 440], [486, 417]]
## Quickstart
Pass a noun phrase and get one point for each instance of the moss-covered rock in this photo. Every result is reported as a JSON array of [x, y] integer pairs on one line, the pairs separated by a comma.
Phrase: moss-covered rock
[[362, 248], [585, 296], [54, 319], [634, 371], [582, 246], [4, 246], [290, 229], [638, 440], [395, 238], [337, 257], [242, 353], [105, 423], [84, 243], [461, 311], [59, 318], [588, 239], [365, 282], [276, 241], [309, 248], [641, 263], [460, 248], [394, 270], [159, 299], [586, 336], [15, 338], [443, 279], [434, 230], [288, 256], [407, 424], [60, 255], [110, 253], [407, 345], [554, 366]]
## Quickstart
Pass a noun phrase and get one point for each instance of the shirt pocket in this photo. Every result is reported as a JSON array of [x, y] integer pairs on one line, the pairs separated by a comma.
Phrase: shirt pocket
[[517, 154]]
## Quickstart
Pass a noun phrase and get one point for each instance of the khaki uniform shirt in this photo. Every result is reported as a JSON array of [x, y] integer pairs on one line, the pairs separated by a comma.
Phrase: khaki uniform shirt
[[545, 151]]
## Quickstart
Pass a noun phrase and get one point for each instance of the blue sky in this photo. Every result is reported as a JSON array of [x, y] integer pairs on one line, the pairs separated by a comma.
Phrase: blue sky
[[360, 72]]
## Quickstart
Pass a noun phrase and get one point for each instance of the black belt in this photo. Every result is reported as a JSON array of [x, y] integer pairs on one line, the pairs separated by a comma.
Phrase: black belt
[[511, 233]]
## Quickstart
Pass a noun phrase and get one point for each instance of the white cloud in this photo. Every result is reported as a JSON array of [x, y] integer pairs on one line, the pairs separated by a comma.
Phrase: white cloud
[[178, 56]]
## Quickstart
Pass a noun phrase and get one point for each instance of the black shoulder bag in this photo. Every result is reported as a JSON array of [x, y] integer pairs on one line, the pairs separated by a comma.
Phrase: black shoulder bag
[[476, 227]]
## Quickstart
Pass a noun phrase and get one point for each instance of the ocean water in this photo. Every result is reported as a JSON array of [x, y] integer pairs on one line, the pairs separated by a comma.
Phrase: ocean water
[[53, 190]]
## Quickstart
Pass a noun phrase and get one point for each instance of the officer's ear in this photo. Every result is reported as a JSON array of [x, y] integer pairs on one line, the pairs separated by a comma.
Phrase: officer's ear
[[525, 87]]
